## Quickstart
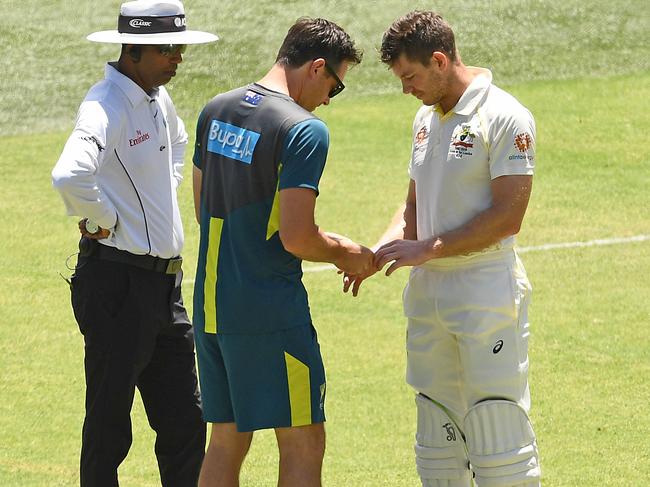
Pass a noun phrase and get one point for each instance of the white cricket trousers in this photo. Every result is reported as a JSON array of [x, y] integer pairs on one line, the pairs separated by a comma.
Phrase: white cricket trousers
[[467, 335]]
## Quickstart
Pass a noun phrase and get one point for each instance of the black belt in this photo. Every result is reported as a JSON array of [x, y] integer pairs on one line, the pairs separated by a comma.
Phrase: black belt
[[148, 262]]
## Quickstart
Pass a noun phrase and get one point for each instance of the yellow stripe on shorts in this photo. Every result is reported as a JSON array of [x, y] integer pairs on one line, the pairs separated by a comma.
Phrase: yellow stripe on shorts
[[299, 391], [210, 284]]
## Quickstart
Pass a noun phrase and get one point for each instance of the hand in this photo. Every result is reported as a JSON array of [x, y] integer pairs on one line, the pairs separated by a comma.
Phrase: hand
[[403, 253], [98, 235], [357, 259], [356, 280]]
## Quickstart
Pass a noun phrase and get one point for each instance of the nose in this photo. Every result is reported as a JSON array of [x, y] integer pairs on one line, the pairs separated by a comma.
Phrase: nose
[[406, 88], [327, 101], [176, 58]]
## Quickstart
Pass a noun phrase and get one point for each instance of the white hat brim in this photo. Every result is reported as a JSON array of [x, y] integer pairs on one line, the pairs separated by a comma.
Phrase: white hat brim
[[183, 37]]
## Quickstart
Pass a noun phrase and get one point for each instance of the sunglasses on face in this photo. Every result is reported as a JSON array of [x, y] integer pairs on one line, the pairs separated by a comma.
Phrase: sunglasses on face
[[169, 50], [339, 87]]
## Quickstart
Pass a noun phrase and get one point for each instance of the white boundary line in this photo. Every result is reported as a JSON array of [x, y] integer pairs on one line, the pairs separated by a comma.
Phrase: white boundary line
[[588, 243], [552, 246]]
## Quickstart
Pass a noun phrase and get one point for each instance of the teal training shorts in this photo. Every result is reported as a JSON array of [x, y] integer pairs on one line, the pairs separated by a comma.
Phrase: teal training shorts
[[269, 380]]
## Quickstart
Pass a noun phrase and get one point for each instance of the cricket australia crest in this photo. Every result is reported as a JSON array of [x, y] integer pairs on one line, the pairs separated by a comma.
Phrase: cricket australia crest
[[462, 141]]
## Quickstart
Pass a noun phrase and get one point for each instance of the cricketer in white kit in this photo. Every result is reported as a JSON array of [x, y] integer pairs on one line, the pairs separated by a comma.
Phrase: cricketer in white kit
[[467, 296]]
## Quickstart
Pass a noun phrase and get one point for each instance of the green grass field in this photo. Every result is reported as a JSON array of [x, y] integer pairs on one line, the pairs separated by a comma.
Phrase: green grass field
[[583, 70]]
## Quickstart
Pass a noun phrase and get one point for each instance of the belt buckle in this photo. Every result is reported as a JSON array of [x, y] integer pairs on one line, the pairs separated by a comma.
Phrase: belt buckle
[[174, 265]]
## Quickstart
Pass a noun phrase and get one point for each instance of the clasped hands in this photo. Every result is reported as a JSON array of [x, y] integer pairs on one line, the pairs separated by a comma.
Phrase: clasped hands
[[400, 252]]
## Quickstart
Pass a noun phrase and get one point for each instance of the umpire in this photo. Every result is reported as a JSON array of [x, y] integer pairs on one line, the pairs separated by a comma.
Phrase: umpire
[[119, 171]]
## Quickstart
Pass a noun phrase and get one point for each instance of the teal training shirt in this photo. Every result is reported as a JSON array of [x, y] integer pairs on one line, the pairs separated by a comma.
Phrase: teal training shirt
[[250, 144]]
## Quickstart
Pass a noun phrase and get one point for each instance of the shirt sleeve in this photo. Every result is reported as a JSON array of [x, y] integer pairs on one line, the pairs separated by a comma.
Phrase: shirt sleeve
[[178, 140], [418, 150], [74, 173], [304, 154], [512, 151]]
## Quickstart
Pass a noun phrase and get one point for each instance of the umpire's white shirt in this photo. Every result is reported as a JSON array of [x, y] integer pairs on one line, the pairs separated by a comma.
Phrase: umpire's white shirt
[[122, 165]]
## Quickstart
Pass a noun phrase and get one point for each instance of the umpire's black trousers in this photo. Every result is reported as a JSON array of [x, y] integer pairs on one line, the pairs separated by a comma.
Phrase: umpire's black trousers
[[136, 333]]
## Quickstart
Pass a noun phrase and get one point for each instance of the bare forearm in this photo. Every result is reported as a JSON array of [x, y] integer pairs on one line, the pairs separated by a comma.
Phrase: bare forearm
[[197, 178], [314, 246], [484, 230], [501, 220]]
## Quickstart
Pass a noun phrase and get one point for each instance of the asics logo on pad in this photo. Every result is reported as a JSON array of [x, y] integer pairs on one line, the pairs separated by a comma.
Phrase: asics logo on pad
[[497, 348], [231, 141]]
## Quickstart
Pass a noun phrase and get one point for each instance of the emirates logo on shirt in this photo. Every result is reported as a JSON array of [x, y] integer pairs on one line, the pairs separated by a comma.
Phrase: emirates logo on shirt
[[139, 138]]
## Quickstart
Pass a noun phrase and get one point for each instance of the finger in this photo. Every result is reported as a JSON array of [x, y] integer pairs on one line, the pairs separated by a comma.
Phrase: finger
[[355, 288], [377, 260], [386, 245], [394, 266], [347, 281], [386, 259], [383, 250]]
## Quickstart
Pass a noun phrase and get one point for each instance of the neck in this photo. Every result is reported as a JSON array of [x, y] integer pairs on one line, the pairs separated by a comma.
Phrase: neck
[[127, 68], [459, 79], [280, 79]]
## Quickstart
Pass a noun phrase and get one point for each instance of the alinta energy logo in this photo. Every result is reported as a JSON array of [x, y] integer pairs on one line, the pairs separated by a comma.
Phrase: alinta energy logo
[[523, 142]]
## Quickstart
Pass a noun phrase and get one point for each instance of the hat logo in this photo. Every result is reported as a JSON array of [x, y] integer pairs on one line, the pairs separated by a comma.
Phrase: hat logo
[[137, 23], [179, 22]]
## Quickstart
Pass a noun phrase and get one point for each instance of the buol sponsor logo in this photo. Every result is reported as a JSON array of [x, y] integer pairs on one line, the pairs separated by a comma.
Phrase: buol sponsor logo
[[232, 141]]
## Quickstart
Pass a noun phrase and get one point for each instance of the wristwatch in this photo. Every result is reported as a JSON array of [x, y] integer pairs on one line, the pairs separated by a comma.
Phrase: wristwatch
[[91, 226]]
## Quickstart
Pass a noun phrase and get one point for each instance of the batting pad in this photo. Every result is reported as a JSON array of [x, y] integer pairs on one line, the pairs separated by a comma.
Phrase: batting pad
[[501, 445], [440, 454]]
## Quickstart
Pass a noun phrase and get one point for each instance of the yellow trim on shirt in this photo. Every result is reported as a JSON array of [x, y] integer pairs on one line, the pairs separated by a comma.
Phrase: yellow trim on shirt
[[299, 391], [444, 116], [210, 284], [274, 217]]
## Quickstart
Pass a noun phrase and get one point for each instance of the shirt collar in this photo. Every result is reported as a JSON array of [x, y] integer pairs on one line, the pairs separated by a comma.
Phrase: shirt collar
[[474, 92], [131, 89]]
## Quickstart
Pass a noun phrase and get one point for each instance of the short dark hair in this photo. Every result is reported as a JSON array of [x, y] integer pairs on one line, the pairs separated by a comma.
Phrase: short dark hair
[[310, 39], [417, 35]]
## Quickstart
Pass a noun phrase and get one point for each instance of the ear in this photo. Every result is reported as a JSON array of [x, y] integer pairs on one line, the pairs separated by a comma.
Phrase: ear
[[440, 59], [316, 65], [134, 52]]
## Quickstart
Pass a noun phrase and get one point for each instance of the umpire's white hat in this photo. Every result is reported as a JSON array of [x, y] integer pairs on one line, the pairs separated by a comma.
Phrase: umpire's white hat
[[152, 22]]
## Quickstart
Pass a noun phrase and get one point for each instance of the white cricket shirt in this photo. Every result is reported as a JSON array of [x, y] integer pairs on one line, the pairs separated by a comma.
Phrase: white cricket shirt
[[122, 165], [455, 156]]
